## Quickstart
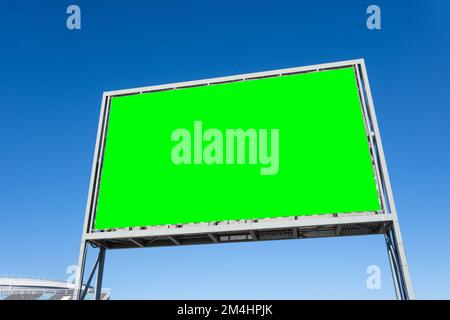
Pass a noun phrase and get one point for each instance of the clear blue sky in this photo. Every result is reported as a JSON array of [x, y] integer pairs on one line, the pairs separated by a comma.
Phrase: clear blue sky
[[52, 79]]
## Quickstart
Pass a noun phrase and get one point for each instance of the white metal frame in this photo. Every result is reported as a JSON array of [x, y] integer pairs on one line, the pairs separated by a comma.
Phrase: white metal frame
[[384, 221]]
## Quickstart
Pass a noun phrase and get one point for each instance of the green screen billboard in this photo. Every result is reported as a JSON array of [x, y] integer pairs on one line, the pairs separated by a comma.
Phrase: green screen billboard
[[290, 145]]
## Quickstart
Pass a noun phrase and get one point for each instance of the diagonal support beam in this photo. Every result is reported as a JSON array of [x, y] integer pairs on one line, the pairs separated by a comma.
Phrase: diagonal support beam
[[174, 240], [138, 243], [91, 276], [101, 265], [213, 238]]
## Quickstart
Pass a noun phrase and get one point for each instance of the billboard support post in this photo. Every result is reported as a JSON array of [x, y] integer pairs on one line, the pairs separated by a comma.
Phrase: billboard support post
[[382, 222], [80, 270], [101, 264], [79, 292], [394, 269], [396, 243]]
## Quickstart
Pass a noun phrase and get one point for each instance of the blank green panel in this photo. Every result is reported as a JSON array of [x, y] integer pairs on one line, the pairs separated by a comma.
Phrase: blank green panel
[[324, 160]]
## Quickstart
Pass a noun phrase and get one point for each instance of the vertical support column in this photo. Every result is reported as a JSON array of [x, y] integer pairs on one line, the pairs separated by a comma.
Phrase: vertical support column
[[81, 291], [394, 269], [396, 249], [399, 255], [101, 264], [80, 271], [87, 226]]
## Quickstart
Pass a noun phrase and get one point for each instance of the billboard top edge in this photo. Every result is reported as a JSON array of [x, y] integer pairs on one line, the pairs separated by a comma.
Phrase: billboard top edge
[[337, 64]]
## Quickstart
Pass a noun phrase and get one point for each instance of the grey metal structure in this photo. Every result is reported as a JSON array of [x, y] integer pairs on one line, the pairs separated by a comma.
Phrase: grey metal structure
[[384, 222]]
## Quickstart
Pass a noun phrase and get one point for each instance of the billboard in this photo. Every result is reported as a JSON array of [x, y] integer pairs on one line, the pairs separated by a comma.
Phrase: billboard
[[285, 154], [264, 147]]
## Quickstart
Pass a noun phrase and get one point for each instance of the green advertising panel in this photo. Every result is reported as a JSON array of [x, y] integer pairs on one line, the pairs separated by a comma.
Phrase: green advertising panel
[[291, 145]]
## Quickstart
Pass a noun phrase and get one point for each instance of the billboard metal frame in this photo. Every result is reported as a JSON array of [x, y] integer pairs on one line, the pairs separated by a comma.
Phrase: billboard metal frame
[[384, 222]]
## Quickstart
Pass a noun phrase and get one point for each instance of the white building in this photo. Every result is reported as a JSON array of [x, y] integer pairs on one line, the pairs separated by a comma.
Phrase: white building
[[16, 288]]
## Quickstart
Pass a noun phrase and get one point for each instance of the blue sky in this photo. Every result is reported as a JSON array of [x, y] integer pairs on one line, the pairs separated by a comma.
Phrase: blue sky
[[52, 79]]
